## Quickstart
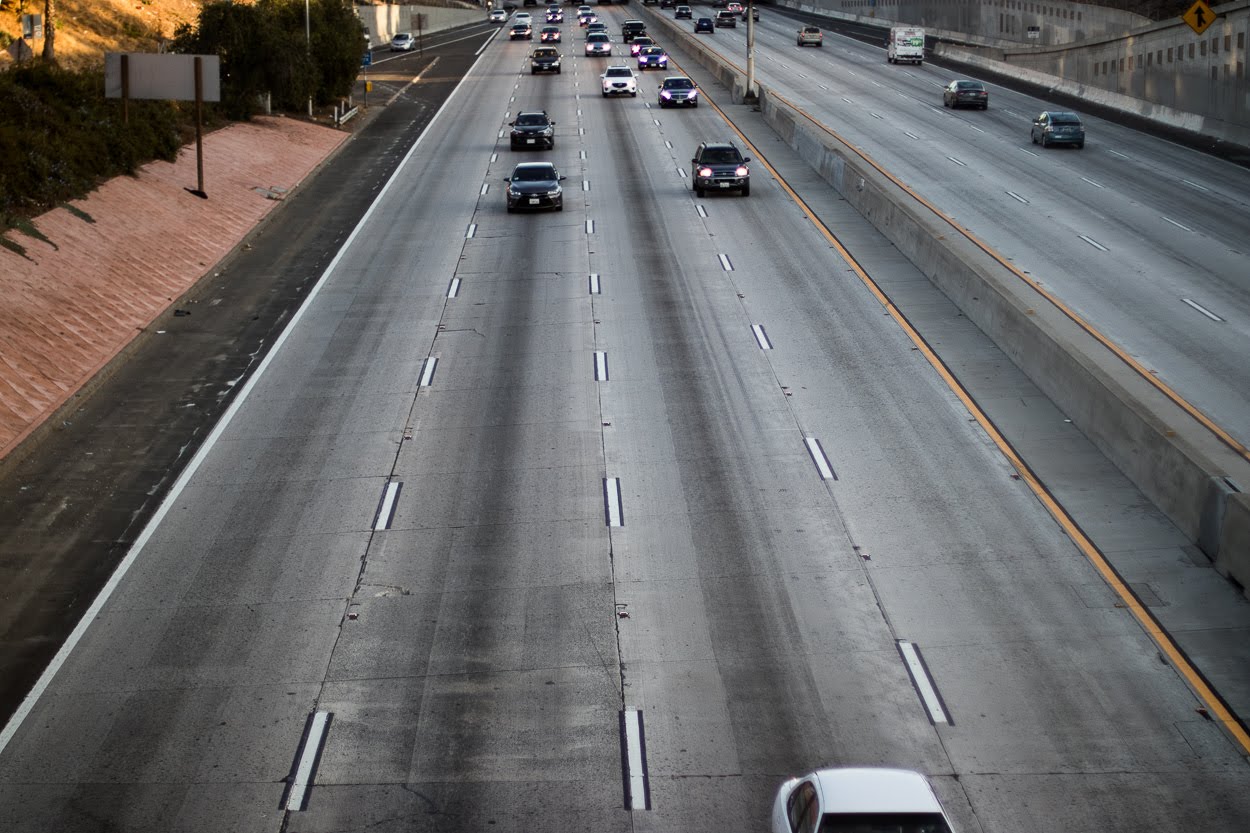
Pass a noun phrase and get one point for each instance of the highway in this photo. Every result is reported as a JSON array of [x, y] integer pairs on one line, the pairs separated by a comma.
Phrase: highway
[[509, 482], [1144, 238]]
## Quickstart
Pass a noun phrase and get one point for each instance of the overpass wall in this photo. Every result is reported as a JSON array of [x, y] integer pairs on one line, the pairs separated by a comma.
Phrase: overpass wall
[[384, 21]]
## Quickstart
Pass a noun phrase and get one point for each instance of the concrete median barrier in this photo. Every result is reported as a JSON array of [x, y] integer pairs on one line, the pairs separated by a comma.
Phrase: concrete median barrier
[[1182, 467]]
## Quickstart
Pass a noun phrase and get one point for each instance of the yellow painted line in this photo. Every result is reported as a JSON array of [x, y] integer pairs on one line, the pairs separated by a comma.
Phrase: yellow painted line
[[1214, 704], [1181, 402]]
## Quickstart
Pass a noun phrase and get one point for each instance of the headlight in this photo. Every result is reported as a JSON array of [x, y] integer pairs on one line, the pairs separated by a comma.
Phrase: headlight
[[513, 192], [554, 193], [666, 94], [742, 171], [705, 171], [692, 94]]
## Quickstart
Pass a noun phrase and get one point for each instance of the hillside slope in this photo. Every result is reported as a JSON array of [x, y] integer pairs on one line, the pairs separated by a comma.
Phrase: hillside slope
[[86, 29]]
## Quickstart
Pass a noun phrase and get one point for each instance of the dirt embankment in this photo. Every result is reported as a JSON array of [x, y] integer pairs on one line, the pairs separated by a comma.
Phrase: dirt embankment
[[86, 29]]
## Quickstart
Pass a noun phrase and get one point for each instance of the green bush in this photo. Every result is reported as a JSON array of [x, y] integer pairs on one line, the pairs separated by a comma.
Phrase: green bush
[[59, 136]]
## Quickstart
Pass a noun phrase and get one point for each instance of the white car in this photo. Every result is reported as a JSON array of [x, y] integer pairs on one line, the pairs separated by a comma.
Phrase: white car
[[619, 80], [403, 42], [859, 799], [498, 16], [523, 17]]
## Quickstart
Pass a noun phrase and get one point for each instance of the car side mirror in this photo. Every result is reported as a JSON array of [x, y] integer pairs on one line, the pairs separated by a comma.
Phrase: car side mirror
[[507, 179], [562, 178], [511, 124], [746, 159]]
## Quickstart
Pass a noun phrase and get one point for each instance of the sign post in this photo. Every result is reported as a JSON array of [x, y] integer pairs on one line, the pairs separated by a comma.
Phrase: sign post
[[178, 77]]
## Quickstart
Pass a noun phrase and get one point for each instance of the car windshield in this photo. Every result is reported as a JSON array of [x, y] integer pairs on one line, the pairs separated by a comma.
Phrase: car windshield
[[883, 823], [969, 85], [653, 50], [531, 120], [536, 174], [544, 53], [1064, 118], [811, 30], [721, 156], [678, 84], [596, 37], [618, 72]]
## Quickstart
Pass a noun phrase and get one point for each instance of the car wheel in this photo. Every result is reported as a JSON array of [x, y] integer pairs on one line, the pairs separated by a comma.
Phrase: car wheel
[[511, 209], [634, 94], [1081, 144], [985, 106], [1043, 140], [605, 95], [945, 103], [557, 70], [746, 190], [819, 45], [533, 72], [1032, 137], [696, 104], [698, 192]]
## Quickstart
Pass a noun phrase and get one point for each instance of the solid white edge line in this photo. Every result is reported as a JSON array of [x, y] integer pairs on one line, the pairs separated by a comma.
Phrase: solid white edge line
[[175, 491], [724, 262], [761, 338], [303, 773], [427, 371], [612, 496], [919, 676], [1203, 310], [818, 457], [633, 748], [482, 48], [601, 366]]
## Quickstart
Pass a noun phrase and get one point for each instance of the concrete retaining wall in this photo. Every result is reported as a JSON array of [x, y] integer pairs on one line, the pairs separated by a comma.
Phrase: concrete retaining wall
[[1179, 466], [384, 22], [1003, 22]]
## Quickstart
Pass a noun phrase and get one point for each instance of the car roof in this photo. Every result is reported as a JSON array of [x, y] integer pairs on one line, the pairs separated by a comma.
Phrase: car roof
[[668, 78], [532, 166], [720, 146], [651, 49], [875, 790]]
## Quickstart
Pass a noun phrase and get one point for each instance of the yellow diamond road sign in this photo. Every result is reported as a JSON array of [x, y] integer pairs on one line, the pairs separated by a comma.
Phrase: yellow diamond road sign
[[1199, 17]]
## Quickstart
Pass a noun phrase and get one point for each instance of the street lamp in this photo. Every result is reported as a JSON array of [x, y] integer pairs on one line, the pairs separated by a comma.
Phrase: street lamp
[[750, 93]]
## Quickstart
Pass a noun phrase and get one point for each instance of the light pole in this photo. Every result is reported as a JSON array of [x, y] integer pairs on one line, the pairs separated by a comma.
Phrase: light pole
[[749, 97], [308, 44]]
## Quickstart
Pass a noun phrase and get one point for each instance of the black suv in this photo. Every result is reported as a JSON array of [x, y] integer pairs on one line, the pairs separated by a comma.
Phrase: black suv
[[718, 166], [631, 29], [533, 130]]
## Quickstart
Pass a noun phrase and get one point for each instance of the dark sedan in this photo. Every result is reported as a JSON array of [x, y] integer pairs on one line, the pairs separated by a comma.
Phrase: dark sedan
[[1058, 128], [533, 130], [682, 13], [678, 91], [520, 31], [966, 94], [535, 186], [704, 24]]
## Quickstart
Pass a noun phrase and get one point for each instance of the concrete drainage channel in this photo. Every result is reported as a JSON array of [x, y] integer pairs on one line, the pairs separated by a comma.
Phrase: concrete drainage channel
[[1199, 481]]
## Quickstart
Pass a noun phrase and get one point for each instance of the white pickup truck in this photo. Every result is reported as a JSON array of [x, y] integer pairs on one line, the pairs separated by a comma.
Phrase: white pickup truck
[[905, 45]]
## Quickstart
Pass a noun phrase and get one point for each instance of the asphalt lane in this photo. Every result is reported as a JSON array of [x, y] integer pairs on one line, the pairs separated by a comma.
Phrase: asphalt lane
[[1136, 234], [411, 524], [72, 506]]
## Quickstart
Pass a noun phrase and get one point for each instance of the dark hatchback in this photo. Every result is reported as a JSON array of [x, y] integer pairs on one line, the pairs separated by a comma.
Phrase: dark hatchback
[[1058, 128], [720, 166], [533, 130], [545, 59], [534, 186], [704, 24], [966, 94]]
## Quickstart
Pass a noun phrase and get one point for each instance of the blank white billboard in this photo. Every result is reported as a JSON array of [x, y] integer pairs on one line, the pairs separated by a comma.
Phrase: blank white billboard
[[164, 76]]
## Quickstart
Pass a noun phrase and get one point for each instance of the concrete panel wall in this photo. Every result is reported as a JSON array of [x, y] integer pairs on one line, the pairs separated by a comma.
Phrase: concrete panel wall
[[997, 21], [1182, 469], [383, 22]]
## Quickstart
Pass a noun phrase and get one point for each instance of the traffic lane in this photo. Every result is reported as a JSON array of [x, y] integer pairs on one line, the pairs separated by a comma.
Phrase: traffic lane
[[489, 678], [1021, 526], [963, 560], [215, 678], [1176, 339], [724, 511]]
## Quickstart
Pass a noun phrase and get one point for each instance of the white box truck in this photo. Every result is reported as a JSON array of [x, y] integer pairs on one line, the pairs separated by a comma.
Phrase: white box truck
[[906, 45]]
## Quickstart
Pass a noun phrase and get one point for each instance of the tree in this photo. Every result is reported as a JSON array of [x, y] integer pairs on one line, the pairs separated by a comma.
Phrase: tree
[[49, 31]]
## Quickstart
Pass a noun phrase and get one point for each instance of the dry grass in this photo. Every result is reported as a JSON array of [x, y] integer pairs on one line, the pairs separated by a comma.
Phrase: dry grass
[[86, 29]]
